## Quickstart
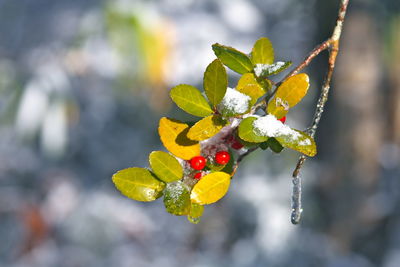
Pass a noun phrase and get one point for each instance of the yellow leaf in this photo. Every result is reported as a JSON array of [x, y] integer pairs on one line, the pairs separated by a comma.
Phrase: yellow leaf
[[173, 135], [210, 188], [248, 85], [288, 95], [206, 128]]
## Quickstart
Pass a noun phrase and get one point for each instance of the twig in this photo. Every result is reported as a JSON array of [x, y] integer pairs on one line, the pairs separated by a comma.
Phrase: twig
[[333, 45], [334, 49]]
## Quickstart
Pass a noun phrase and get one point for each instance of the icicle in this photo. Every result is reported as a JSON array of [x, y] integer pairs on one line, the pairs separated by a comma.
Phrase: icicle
[[296, 200]]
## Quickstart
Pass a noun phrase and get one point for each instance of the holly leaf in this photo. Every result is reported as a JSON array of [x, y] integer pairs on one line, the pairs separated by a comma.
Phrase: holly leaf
[[298, 141], [177, 198], [173, 135], [233, 59], [138, 184], [248, 85], [288, 95], [190, 99], [264, 70], [196, 211], [211, 188], [165, 166], [215, 82], [206, 128], [246, 131], [263, 52]]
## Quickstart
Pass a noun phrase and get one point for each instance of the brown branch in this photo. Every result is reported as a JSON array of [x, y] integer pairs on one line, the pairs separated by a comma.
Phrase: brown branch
[[333, 45], [334, 49]]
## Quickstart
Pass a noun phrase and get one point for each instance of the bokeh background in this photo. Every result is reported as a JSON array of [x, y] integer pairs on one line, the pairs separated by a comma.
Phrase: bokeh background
[[83, 84]]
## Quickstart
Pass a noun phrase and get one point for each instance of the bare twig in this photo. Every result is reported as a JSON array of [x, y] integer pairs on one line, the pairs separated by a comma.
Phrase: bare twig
[[333, 45], [334, 49]]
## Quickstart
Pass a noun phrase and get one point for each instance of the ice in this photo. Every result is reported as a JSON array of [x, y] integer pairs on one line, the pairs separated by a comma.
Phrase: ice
[[296, 200]]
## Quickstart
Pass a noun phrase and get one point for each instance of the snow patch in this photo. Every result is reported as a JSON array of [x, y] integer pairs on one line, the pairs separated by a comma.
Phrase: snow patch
[[272, 127], [235, 101], [260, 69], [305, 142]]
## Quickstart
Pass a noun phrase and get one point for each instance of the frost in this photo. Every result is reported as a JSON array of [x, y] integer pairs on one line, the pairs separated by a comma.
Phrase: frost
[[266, 69], [272, 127], [176, 190], [305, 142], [235, 102]]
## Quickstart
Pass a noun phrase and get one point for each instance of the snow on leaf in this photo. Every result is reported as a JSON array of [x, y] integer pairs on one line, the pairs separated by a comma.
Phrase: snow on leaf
[[234, 103], [247, 133], [265, 70], [177, 198], [270, 126]]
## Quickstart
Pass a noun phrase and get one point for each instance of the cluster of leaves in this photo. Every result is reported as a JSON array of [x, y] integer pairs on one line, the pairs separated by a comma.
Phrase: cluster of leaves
[[228, 116]]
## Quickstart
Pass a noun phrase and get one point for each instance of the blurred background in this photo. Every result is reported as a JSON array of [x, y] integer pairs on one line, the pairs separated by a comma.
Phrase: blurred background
[[83, 84]]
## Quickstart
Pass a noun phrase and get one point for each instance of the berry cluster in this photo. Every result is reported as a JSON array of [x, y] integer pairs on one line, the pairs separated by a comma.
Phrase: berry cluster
[[198, 163], [202, 157]]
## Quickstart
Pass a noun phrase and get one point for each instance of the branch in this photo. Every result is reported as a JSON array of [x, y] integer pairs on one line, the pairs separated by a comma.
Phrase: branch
[[334, 49], [333, 45]]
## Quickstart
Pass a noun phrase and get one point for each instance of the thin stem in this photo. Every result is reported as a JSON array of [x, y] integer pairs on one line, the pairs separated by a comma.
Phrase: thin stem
[[334, 45]]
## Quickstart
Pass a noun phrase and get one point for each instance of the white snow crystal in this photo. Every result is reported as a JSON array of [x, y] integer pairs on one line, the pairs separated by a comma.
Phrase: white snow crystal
[[305, 142], [272, 127], [235, 101], [260, 69]]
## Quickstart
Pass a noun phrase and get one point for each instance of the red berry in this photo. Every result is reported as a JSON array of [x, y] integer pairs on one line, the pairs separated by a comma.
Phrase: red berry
[[222, 157], [198, 176], [283, 119], [198, 163], [236, 144]]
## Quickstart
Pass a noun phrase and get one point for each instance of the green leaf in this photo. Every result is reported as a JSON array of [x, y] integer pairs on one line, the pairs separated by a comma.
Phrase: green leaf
[[196, 211], [288, 95], [215, 82], [265, 70], [177, 198], [211, 188], [263, 52], [165, 166], [138, 184], [274, 145], [233, 59], [190, 99], [173, 135], [299, 141], [246, 131], [264, 145], [248, 85], [206, 128]]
